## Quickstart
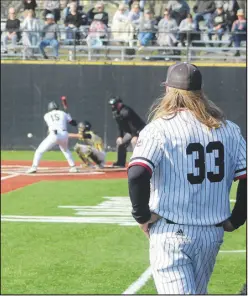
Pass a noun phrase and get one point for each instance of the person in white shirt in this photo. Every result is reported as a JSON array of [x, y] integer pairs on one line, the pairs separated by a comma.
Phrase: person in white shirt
[[31, 33], [167, 29], [56, 121], [187, 30], [134, 14], [122, 28]]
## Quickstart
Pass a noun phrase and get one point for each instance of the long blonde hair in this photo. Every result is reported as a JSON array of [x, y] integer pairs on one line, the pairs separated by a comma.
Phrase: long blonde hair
[[195, 101]]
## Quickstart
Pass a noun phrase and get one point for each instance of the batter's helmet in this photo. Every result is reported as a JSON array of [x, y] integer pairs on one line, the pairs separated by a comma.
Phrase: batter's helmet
[[52, 106]]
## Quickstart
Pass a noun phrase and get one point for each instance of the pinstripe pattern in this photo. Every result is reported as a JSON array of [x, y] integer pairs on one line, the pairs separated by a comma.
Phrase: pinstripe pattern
[[183, 263], [162, 149]]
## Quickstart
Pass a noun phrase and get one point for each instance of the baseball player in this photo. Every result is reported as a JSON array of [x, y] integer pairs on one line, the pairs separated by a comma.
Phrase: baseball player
[[180, 176], [56, 121], [129, 125], [90, 148]]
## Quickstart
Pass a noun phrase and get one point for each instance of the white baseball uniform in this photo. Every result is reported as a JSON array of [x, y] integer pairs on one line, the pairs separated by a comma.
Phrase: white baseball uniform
[[192, 171], [56, 121]]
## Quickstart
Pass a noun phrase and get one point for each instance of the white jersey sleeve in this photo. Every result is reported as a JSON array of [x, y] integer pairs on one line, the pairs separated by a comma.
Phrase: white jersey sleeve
[[240, 168], [149, 148], [69, 119]]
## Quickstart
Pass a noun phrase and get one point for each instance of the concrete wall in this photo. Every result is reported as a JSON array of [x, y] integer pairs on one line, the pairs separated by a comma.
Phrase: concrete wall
[[27, 89]]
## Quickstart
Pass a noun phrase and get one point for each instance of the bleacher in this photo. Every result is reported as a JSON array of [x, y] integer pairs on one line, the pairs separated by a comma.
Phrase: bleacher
[[203, 49]]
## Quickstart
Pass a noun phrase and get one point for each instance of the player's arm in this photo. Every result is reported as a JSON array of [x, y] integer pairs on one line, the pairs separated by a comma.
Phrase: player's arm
[[146, 156], [71, 121], [239, 214], [74, 136]]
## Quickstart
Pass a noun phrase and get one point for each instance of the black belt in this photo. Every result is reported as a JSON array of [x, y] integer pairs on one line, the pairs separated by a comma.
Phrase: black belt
[[56, 131], [171, 222]]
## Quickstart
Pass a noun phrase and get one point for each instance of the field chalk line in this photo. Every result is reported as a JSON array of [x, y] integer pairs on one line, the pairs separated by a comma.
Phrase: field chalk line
[[142, 280], [10, 176], [139, 283]]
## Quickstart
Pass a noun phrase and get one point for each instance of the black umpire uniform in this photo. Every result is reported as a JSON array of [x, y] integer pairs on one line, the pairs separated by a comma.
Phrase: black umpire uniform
[[129, 125]]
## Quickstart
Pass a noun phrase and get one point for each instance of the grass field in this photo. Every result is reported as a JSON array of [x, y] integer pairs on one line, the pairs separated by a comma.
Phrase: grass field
[[76, 236]]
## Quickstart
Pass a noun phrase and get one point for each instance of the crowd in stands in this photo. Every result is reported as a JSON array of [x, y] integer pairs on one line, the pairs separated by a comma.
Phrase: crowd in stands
[[132, 20]]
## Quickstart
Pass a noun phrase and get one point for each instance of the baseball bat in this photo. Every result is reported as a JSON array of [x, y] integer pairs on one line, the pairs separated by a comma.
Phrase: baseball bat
[[64, 103]]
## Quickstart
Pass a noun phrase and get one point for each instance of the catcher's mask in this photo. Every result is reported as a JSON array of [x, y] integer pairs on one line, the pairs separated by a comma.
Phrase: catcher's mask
[[114, 102], [52, 106]]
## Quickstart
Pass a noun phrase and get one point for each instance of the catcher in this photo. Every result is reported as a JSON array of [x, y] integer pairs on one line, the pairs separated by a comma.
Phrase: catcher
[[90, 148]]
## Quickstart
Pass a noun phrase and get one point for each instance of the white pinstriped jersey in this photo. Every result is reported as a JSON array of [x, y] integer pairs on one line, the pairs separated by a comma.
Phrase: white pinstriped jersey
[[192, 168]]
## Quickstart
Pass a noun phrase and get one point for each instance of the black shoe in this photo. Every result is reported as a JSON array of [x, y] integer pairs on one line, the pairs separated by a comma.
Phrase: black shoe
[[45, 57], [118, 165], [237, 54]]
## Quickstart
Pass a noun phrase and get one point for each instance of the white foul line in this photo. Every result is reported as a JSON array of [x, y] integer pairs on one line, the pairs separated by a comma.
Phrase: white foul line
[[142, 280], [233, 251], [8, 177]]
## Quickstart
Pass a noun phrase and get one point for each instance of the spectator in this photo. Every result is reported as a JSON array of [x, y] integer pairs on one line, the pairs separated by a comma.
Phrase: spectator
[[98, 10], [134, 14], [97, 32], [167, 29], [239, 30], [66, 9], [29, 4], [121, 14], [230, 7], [178, 10], [146, 28], [122, 30], [12, 30], [187, 30], [72, 22], [204, 10], [50, 34], [31, 33], [218, 23], [158, 8], [52, 6], [130, 3]]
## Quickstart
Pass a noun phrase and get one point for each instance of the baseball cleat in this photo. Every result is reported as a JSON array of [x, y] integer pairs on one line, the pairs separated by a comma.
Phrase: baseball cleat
[[117, 165], [32, 170], [73, 170], [99, 166]]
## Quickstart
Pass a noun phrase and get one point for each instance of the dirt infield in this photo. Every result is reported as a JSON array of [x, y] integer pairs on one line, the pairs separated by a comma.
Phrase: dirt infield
[[13, 174]]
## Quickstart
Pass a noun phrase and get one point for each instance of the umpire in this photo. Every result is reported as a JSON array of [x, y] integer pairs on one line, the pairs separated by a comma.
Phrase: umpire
[[129, 125]]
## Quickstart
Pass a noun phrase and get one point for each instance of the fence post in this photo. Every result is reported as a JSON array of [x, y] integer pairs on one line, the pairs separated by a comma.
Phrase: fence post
[[74, 48], [188, 47], [122, 54], [89, 53]]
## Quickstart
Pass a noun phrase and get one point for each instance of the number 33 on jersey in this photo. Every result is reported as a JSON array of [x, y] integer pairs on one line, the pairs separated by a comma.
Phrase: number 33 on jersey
[[193, 176]]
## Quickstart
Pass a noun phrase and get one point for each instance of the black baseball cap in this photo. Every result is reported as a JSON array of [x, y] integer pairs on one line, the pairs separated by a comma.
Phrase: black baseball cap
[[184, 76]]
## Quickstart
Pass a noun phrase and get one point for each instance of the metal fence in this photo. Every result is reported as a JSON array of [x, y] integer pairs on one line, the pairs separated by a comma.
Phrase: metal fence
[[79, 47]]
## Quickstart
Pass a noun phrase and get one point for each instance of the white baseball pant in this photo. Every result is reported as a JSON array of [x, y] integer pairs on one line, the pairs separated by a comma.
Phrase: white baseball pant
[[99, 154], [182, 257], [61, 139]]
